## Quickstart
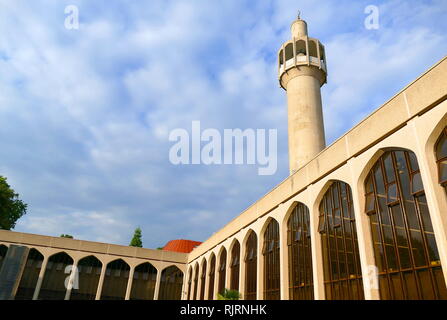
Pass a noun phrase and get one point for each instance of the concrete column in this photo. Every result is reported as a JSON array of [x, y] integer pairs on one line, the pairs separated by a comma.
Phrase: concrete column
[[283, 261], [364, 239], [157, 285], [129, 283], [434, 192], [199, 283], [228, 271], [260, 269], [242, 275], [101, 281], [40, 279], [317, 253], [74, 276], [305, 119], [207, 280], [216, 278]]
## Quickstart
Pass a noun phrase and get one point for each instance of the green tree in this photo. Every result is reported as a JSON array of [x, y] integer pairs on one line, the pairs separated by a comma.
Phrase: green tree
[[228, 294], [66, 236], [11, 208], [136, 240]]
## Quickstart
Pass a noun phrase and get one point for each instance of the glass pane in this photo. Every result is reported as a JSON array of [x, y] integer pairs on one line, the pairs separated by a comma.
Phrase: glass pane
[[413, 161], [416, 183], [392, 195], [441, 148], [442, 171], [389, 170]]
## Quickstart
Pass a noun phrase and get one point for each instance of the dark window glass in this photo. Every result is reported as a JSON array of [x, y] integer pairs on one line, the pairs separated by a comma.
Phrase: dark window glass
[[271, 262], [53, 284], [189, 285], [441, 157], [234, 267], [341, 262], [143, 282], [115, 280], [89, 271], [300, 254], [196, 281], [251, 267], [211, 277], [202, 280], [171, 283], [30, 275], [404, 245], [222, 271]]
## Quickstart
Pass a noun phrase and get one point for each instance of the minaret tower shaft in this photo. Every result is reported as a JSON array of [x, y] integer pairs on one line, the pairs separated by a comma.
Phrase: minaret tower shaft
[[302, 72]]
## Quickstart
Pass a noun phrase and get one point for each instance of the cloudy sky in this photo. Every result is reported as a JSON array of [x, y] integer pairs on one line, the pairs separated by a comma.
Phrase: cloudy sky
[[85, 114]]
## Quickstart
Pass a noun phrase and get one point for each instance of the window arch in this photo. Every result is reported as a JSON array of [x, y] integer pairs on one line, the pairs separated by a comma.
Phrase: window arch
[[270, 252], [53, 284], [234, 266], [196, 281], [3, 250], [143, 282], [171, 283], [300, 46], [30, 275], [211, 277], [341, 262], [300, 254], [222, 271], [203, 280], [313, 49], [281, 58], [251, 254], [405, 248], [289, 51], [89, 272], [441, 158], [115, 280], [189, 284]]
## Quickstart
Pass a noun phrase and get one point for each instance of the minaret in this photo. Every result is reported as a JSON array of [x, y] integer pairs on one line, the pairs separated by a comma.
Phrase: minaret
[[302, 72]]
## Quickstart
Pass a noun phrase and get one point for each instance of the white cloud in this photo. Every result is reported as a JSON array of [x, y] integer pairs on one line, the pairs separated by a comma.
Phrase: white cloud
[[87, 112]]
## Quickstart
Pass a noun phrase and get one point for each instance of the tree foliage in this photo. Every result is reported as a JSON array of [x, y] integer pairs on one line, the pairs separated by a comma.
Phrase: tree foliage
[[11, 207], [66, 236], [228, 294], [136, 240]]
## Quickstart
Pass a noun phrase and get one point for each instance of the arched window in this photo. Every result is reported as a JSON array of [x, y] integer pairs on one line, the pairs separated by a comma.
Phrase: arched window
[[3, 250], [202, 280], [441, 158], [405, 248], [53, 284], [289, 51], [30, 275], [301, 51], [171, 283], [313, 49], [143, 282], [234, 267], [189, 284], [270, 252], [300, 255], [196, 281], [222, 271], [89, 272], [322, 54], [281, 58], [251, 254], [341, 262], [211, 277], [115, 280]]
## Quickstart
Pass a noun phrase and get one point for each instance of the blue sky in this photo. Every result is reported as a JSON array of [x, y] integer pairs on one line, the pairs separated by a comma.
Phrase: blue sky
[[85, 114]]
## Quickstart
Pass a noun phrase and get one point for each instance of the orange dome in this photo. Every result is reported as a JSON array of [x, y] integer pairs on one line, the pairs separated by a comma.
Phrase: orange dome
[[181, 245]]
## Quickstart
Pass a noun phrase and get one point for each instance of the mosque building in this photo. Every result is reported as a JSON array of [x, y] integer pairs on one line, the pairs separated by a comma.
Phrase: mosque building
[[362, 218]]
